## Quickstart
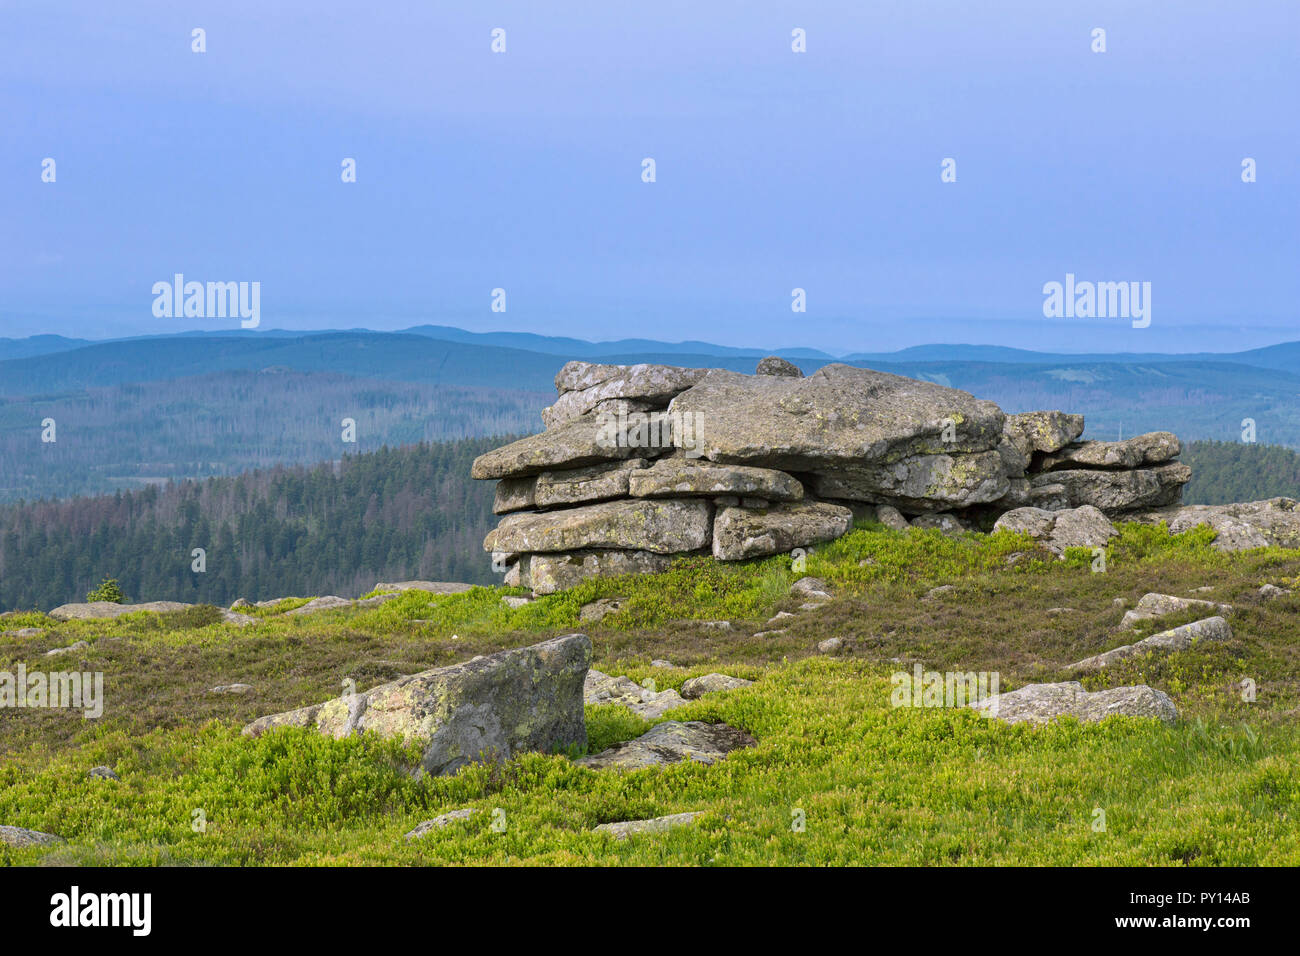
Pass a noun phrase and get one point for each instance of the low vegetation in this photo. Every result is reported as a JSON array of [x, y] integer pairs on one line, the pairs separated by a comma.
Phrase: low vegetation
[[838, 776]]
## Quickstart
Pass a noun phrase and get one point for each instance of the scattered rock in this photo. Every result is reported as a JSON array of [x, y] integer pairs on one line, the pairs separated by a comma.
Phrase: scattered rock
[[1041, 703], [660, 662], [600, 688], [23, 632], [102, 773], [830, 645], [1270, 591], [239, 620], [627, 828], [1239, 527], [942, 590], [891, 517], [779, 616], [438, 822], [327, 603], [716, 625], [1167, 642], [779, 630], [78, 646], [599, 609], [20, 837], [947, 524], [671, 742], [697, 687], [1158, 605], [811, 588], [240, 604], [230, 689], [527, 699], [1059, 611], [377, 600], [511, 601]]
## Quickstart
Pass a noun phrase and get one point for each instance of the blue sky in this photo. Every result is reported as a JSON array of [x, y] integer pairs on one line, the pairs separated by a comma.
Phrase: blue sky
[[775, 170]]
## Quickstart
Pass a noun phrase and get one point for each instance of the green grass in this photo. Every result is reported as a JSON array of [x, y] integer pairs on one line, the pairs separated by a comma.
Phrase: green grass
[[874, 784]]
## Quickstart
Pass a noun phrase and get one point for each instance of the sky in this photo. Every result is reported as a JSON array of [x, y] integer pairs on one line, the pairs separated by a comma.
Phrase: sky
[[775, 170]]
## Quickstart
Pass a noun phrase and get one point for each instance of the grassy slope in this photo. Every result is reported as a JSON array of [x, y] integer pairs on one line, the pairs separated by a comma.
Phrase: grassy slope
[[875, 784]]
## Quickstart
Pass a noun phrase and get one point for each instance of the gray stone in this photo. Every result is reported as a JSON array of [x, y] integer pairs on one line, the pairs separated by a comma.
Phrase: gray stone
[[697, 687], [1158, 605], [599, 609], [1270, 591], [1082, 527], [775, 365], [492, 707], [516, 602], [891, 518], [1166, 642], [920, 483], [947, 524], [671, 742], [239, 620], [327, 602], [231, 689], [628, 828], [101, 610], [438, 822], [1113, 491], [830, 645], [23, 632], [573, 405], [431, 587], [78, 646], [102, 773], [664, 526], [645, 703], [672, 477], [740, 533], [515, 494], [811, 587], [650, 383], [1041, 703], [1030, 432], [550, 573], [20, 837]]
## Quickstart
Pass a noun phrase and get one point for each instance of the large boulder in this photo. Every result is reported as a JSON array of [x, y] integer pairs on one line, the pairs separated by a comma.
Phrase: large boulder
[[1239, 526], [1153, 448], [1083, 527], [549, 573], [840, 418], [527, 699], [577, 485], [740, 533], [1041, 703], [664, 526], [21, 837], [675, 477], [1212, 629], [671, 742]]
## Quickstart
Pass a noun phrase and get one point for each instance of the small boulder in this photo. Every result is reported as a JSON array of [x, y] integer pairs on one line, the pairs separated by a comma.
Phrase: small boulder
[[102, 773], [697, 687], [671, 742], [21, 837], [599, 609], [775, 365], [438, 822], [78, 646], [1041, 703], [1158, 605], [627, 828], [1082, 527], [231, 689], [328, 602]]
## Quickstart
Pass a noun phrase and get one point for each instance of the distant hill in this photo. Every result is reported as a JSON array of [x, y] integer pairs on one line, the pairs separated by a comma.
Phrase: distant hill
[[385, 515], [1224, 472]]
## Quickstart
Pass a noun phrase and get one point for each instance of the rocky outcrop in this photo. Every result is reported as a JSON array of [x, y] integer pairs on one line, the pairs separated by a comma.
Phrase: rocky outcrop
[[1158, 605], [528, 699], [20, 837], [1239, 527], [1041, 703], [656, 460], [100, 610], [697, 687]]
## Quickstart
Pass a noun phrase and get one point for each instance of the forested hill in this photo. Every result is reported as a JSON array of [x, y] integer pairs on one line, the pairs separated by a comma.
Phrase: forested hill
[[337, 528], [1224, 471], [391, 514]]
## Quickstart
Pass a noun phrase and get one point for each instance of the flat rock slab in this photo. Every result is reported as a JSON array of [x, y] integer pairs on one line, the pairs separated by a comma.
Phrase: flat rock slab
[[1154, 605], [628, 828], [697, 687], [838, 418], [1111, 491], [20, 837], [1166, 642], [1041, 703], [432, 587], [549, 573], [1152, 448], [740, 533], [671, 742], [663, 526], [597, 384], [492, 707], [99, 610], [572, 444], [677, 477], [579, 485], [920, 483]]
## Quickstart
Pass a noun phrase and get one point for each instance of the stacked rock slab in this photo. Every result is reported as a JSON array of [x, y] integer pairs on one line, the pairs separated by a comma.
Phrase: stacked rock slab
[[642, 463]]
